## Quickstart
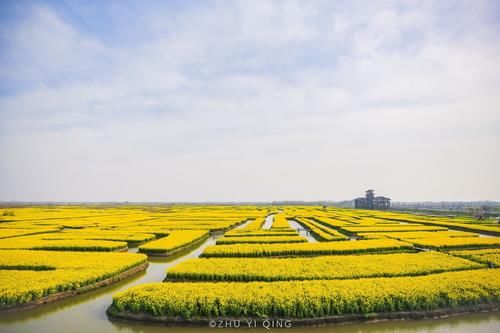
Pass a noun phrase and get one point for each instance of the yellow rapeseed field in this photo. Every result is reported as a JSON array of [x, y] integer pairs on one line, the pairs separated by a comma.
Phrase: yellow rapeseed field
[[29, 275], [318, 268], [457, 242], [262, 239], [175, 240], [341, 247], [319, 298], [264, 273], [37, 242], [488, 256], [280, 221]]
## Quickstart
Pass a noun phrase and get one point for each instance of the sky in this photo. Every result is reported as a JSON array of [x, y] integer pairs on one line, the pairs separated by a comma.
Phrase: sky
[[249, 100]]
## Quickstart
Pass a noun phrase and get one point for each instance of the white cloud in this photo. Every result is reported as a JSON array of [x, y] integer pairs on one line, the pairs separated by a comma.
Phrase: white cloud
[[260, 100]]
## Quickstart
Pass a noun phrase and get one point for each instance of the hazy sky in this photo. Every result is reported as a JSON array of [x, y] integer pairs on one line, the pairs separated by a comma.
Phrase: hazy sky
[[249, 100]]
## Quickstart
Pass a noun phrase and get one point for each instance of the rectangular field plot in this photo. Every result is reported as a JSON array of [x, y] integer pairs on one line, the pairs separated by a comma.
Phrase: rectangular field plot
[[92, 234], [464, 224], [37, 242], [280, 222], [175, 241], [318, 268], [29, 275], [261, 239], [310, 299], [392, 228], [487, 256], [341, 247], [259, 233], [457, 242], [8, 233], [417, 234]]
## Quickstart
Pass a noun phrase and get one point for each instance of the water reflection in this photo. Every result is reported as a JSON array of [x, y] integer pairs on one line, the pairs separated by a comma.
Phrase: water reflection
[[477, 323], [302, 231], [269, 222]]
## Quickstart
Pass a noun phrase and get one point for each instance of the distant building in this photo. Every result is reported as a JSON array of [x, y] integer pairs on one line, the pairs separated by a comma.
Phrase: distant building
[[370, 201]]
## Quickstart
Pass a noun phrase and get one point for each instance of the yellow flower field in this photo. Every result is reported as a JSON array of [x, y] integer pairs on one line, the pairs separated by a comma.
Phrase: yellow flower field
[[382, 272], [341, 247], [7, 233], [37, 242], [488, 256], [260, 233], [392, 228], [458, 242], [29, 275], [318, 268], [280, 222], [311, 298], [262, 239], [174, 241], [417, 234], [255, 224], [129, 237]]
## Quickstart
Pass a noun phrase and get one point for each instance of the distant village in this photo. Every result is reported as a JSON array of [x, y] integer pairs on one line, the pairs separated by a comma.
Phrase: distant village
[[370, 201]]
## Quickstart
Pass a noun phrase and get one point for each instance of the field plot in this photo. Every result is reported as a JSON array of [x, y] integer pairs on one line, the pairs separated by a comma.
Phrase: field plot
[[12, 232], [175, 241], [416, 234], [280, 222], [322, 248], [27, 276], [318, 268], [463, 224], [391, 228], [457, 242], [262, 239], [259, 233], [488, 256], [99, 234], [38, 242], [309, 299]]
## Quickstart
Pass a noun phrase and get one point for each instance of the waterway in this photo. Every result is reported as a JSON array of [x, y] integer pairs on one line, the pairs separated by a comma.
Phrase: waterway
[[269, 222], [300, 229]]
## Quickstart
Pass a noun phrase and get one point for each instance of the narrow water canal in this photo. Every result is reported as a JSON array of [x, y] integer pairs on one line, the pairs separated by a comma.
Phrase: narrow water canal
[[269, 222], [302, 231]]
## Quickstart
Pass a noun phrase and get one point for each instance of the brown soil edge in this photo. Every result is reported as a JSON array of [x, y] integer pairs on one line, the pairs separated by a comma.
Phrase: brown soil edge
[[145, 318], [66, 294], [177, 250]]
